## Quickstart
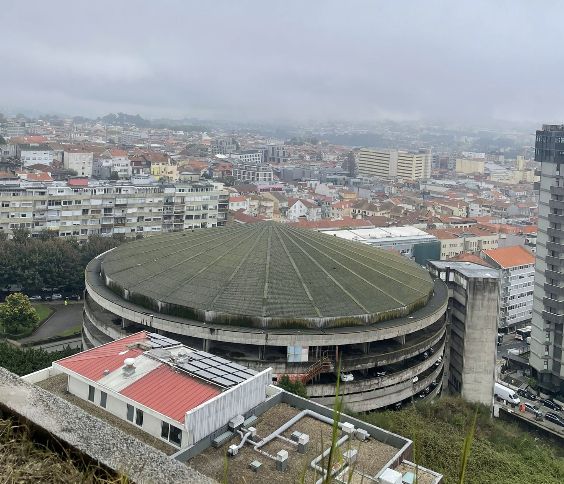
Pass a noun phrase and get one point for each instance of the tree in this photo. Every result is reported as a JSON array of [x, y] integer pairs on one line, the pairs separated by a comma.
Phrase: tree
[[114, 175], [2, 140], [17, 314], [295, 387], [20, 235]]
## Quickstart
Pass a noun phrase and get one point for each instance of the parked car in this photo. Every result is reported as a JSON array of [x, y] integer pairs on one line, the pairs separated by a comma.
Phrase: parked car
[[380, 374], [550, 404], [529, 407], [346, 376], [48, 297], [35, 298], [434, 383], [526, 394], [75, 297], [57, 296], [552, 417], [439, 361], [505, 393]]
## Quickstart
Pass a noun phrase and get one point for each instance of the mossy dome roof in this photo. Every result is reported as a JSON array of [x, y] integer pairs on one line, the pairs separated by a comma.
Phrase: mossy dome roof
[[268, 270]]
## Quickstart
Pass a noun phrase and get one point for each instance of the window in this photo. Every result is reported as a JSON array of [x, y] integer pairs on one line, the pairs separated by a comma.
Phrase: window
[[165, 427], [91, 392], [171, 433], [139, 417], [103, 399], [130, 412]]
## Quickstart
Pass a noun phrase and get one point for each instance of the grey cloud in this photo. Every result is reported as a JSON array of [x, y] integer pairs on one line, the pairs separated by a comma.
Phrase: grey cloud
[[292, 60]]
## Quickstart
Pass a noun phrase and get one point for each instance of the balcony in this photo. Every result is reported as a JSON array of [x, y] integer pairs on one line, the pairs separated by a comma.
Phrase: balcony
[[556, 218], [557, 276], [558, 291], [555, 233], [558, 204], [557, 191], [555, 246], [553, 305], [554, 261], [552, 317]]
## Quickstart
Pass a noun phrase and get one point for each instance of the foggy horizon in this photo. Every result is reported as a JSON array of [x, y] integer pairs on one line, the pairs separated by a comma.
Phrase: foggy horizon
[[251, 61]]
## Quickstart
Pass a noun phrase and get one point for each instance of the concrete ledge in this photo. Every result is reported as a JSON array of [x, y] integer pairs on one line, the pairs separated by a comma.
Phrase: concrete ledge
[[91, 436]]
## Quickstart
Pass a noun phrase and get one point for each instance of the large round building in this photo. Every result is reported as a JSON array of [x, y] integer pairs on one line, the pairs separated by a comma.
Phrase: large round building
[[271, 295]]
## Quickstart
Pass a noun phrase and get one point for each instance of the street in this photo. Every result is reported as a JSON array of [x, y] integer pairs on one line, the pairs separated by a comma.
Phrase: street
[[509, 342], [64, 318]]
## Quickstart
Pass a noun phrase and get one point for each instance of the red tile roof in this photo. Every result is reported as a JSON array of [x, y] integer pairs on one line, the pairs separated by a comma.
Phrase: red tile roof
[[510, 256], [170, 392], [92, 363]]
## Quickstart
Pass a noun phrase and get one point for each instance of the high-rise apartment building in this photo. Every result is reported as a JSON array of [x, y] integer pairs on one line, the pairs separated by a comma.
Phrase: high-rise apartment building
[[548, 304], [390, 164], [80, 209]]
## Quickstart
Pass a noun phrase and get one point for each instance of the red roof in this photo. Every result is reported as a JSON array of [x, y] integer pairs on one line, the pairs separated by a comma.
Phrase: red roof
[[92, 363], [170, 392], [511, 256], [78, 182]]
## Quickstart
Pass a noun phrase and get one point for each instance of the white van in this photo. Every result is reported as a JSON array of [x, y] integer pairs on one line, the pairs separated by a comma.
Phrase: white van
[[505, 393]]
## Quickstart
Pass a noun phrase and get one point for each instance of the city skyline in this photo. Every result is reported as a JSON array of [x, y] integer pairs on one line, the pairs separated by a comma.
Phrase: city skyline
[[284, 62]]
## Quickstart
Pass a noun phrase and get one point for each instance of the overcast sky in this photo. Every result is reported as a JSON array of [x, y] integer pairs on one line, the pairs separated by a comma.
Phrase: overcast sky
[[463, 60]]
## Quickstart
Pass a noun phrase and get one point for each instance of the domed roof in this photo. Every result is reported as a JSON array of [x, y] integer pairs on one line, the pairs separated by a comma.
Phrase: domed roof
[[266, 272]]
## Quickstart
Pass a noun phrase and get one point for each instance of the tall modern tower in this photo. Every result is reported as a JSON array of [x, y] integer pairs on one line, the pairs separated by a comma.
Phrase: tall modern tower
[[548, 304]]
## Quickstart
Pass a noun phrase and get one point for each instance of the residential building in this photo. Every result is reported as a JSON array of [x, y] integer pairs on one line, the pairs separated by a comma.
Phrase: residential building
[[79, 208], [469, 166], [471, 326], [300, 208], [517, 274], [238, 202], [253, 173], [394, 164], [276, 154], [32, 154], [457, 241], [164, 170], [79, 161], [248, 157], [548, 306], [224, 146]]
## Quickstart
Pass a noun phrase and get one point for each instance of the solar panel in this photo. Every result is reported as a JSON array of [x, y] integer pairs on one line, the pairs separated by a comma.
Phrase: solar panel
[[217, 371], [222, 381], [205, 374]]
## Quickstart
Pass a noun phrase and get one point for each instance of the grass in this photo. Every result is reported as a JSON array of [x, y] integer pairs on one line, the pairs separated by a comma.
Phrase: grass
[[71, 331], [489, 451], [22, 459], [43, 311]]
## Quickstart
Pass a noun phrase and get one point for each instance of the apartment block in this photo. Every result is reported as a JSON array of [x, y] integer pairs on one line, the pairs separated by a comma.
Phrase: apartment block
[[253, 173], [248, 157], [548, 304], [78, 160], [516, 267], [464, 240], [80, 209], [34, 153], [392, 164], [466, 166], [276, 154]]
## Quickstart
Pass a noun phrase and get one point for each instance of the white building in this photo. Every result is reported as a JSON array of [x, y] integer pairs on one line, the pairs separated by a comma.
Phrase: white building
[[136, 377], [517, 278], [247, 157], [78, 160], [33, 153], [276, 154], [299, 208], [394, 164], [408, 241]]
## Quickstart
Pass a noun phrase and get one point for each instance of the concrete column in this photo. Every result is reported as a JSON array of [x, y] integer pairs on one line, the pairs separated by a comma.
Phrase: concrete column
[[366, 348], [205, 344], [400, 339], [261, 350]]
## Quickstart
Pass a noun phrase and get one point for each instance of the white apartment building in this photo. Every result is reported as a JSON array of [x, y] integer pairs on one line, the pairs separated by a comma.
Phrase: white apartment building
[[517, 278], [247, 157], [394, 164], [80, 209], [78, 161], [33, 153], [253, 173]]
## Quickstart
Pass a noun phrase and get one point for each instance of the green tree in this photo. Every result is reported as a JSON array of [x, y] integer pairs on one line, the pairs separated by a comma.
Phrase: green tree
[[2, 140], [114, 175], [20, 235], [295, 387], [17, 314]]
